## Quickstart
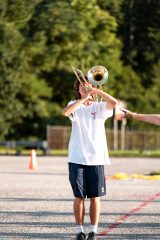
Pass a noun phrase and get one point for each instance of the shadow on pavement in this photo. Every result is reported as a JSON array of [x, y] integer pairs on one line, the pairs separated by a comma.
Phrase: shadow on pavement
[[70, 200]]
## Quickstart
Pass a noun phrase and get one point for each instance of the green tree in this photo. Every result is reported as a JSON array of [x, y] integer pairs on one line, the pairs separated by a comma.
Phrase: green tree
[[23, 94], [79, 34], [39, 43], [153, 94], [139, 30]]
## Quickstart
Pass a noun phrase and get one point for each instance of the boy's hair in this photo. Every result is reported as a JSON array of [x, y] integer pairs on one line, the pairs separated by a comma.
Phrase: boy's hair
[[76, 87]]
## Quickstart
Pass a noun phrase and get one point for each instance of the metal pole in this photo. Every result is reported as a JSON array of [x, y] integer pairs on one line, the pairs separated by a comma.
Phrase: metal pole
[[115, 134], [123, 125]]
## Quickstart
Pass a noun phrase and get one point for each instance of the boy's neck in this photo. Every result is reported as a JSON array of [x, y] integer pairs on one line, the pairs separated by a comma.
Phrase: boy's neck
[[88, 102]]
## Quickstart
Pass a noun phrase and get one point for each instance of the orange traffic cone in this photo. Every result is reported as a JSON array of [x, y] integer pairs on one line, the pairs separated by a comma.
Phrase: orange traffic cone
[[33, 160]]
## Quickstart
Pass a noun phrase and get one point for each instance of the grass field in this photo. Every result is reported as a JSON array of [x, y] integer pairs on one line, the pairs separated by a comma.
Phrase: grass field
[[64, 152], [118, 153]]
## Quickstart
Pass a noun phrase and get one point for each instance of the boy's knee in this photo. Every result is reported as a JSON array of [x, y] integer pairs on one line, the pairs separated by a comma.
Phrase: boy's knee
[[94, 199], [79, 200]]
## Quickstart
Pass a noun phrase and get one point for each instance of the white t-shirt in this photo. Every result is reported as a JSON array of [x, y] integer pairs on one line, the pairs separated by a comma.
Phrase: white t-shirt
[[88, 144]]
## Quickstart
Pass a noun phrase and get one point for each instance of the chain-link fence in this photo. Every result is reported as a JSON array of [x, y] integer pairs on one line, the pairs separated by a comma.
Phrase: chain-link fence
[[58, 138]]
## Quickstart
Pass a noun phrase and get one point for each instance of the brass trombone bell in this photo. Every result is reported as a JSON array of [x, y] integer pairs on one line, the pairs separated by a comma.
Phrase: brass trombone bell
[[97, 75]]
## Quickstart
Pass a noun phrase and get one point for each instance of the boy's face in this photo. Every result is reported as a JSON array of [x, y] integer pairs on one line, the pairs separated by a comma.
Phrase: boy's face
[[85, 88]]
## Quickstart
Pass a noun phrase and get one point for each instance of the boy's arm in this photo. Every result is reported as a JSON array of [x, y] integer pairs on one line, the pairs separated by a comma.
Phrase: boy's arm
[[111, 101], [71, 108]]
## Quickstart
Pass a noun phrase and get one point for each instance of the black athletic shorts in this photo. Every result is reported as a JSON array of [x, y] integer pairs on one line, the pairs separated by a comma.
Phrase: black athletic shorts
[[87, 181]]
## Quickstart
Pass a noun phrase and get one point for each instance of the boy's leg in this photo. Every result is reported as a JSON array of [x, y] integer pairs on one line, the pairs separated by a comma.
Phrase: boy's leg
[[94, 210], [79, 210], [96, 187], [94, 213]]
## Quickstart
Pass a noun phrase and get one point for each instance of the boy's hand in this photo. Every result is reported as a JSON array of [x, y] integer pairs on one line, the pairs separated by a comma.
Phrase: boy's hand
[[87, 96]]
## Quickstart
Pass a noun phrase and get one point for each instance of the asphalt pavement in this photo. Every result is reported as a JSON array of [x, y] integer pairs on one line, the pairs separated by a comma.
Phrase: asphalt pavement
[[37, 204]]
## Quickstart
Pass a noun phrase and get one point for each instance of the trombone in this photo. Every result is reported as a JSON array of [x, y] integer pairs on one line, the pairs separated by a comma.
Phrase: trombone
[[96, 75]]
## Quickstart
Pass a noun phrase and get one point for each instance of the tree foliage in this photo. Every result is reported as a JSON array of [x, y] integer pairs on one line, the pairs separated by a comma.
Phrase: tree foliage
[[23, 93], [139, 30], [39, 43]]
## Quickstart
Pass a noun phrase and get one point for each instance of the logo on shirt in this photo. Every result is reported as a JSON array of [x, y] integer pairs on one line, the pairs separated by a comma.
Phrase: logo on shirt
[[102, 190], [93, 115]]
